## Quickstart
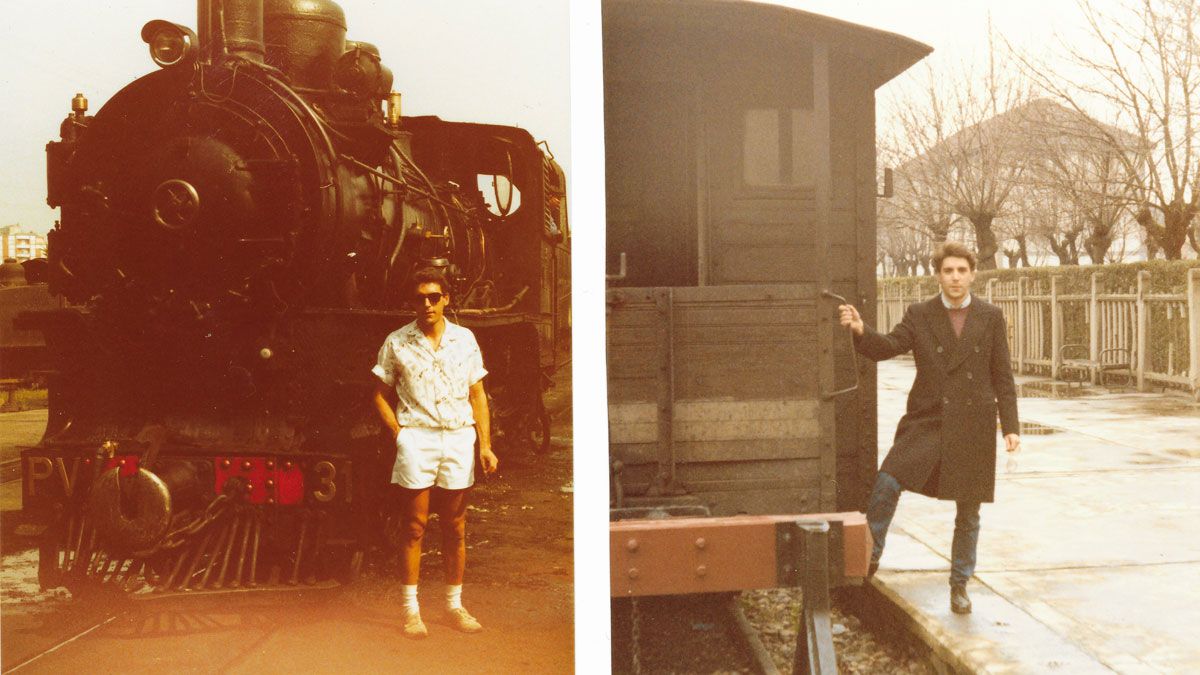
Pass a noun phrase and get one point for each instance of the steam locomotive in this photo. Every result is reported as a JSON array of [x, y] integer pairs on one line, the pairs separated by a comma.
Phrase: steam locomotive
[[237, 230]]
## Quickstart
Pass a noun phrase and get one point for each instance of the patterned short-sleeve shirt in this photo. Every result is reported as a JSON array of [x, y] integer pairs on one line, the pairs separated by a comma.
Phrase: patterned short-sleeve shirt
[[432, 385]]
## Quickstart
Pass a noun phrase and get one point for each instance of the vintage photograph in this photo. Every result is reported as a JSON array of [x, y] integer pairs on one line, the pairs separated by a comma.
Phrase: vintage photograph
[[856, 250], [286, 338]]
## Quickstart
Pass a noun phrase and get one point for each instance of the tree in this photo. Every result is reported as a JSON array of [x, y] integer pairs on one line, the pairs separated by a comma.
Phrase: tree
[[963, 161], [1144, 72], [903, 248], [1077, 179]]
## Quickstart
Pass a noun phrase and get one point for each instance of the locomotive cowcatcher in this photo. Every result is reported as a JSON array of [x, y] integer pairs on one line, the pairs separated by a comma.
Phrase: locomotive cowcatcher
[[236, 234]]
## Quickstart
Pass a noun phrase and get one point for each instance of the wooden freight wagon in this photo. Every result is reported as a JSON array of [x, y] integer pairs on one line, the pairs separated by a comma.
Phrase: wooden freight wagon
[[741, 184]]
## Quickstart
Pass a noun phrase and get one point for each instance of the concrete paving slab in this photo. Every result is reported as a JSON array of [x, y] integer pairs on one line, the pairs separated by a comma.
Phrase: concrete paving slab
[[1040, 522], [1000, 636], [1140, 618], [1089, 561], [909, 554]]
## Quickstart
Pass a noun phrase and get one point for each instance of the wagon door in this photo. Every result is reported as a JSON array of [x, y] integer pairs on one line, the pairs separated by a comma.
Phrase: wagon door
[[715, 394], [650, 178]]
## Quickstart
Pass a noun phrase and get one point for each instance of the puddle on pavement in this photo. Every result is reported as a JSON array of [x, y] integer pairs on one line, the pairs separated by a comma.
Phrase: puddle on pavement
[[1035, 429], [1052, 389]]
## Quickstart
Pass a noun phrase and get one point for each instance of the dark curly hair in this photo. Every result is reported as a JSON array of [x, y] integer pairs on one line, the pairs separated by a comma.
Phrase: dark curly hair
[[952, 249], [430, 275]]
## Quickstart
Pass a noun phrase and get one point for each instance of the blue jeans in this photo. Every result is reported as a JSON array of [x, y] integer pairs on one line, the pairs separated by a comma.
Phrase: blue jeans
[[882, 506]]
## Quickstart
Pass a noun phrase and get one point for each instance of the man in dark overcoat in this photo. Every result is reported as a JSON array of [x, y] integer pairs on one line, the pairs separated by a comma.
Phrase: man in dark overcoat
[[945, 444]]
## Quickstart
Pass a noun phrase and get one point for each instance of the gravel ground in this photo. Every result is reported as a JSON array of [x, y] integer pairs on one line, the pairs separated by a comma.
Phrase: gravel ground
[[860, 649], [692, 634]]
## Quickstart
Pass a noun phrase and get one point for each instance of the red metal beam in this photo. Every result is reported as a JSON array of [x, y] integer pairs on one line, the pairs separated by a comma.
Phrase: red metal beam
[[673, 556]]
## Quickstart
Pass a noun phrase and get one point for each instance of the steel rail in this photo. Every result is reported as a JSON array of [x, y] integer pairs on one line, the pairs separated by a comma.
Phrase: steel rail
[[64, 642]]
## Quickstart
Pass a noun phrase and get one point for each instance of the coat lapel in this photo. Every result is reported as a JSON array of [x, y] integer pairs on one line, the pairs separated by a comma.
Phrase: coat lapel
[[943, 332], [970, 336]]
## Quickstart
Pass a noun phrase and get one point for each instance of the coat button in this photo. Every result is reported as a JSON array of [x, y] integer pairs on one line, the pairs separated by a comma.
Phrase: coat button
[[970, 376], [976, 349], [945, 401], [939, 349]]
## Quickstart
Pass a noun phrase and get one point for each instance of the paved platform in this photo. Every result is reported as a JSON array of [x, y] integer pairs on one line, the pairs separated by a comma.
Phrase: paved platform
[[1089, 560]]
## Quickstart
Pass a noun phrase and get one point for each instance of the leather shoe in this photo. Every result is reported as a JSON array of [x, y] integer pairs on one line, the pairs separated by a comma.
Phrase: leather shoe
[[959, 602]]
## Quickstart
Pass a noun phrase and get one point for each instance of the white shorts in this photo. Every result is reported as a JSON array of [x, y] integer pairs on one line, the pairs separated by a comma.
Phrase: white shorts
[[428, 457]]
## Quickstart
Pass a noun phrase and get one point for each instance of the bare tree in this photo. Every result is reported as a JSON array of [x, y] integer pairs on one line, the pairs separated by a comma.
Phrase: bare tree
[[1076, 178], [962, 158], [899, 241], [1145, 68], [921, 200]]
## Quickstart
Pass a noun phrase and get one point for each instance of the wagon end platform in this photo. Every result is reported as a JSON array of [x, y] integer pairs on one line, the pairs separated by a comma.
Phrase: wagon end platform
[[710, 555]]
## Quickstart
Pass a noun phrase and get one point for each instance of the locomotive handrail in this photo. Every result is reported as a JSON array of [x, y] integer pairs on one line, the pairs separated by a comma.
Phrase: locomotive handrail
[[853, 354]]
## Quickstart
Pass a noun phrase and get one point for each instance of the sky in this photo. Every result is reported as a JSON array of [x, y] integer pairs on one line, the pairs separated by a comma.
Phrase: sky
[[495, 61], [500, 61], [958, 33]]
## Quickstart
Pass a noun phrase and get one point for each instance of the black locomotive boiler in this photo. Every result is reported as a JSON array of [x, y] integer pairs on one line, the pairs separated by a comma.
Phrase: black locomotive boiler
[[237, 232]]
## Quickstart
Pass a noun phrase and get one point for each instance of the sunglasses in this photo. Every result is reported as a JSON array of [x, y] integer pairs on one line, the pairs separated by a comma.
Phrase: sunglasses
[[432, 298]]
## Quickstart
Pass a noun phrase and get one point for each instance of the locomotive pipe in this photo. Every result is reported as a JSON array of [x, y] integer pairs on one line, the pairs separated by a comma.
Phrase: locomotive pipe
[[495, 310]]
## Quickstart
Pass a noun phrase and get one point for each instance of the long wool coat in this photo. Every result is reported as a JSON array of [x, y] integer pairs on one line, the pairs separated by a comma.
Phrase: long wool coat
[[945, 444]]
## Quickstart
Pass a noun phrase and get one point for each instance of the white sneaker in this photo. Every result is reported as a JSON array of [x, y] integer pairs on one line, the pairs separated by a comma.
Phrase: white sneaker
[[414, 627], [462, 620]]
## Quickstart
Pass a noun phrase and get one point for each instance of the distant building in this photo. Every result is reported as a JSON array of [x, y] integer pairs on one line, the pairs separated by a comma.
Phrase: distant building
[[21, 245]]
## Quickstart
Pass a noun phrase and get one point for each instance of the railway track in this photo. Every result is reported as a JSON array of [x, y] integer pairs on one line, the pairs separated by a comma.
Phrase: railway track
[[31, 660], [756, 633], [692, 633]]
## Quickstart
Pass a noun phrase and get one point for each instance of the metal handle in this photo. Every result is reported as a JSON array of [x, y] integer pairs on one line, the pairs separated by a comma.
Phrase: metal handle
[[853, 354], [620, 275]]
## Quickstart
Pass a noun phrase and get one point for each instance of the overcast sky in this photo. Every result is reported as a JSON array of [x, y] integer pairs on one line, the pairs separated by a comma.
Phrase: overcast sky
[[496, 61], [958, 30], [501, 61]]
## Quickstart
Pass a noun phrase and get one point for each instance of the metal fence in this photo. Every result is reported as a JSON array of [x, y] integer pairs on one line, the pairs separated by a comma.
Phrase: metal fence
[[1059, 334]]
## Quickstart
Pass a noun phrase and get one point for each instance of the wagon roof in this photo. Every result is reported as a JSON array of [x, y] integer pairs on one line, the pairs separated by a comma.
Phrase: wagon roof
[[889, 54]]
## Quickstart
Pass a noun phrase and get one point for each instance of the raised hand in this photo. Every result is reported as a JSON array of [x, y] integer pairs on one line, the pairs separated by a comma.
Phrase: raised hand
[[848, 316]]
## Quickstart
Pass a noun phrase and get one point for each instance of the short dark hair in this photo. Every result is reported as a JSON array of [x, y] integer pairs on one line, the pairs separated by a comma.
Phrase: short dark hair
[[952, 249], [429, 275]]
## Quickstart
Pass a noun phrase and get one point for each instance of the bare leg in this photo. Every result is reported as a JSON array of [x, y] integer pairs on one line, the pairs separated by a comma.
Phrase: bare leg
[[452, 513], [414, 514]]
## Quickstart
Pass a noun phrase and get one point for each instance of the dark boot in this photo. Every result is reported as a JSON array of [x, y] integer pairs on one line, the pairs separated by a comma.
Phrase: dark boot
[[959, 602]]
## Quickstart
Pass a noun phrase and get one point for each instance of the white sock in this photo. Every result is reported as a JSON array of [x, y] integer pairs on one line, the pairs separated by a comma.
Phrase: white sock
[[454, 597], [410, 598]]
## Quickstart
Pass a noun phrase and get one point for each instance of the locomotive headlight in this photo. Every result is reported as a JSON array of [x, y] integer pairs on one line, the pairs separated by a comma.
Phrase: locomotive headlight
[[170, 43]]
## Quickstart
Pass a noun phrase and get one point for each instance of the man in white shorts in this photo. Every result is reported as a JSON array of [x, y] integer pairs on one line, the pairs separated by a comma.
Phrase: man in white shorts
[[434, 370]]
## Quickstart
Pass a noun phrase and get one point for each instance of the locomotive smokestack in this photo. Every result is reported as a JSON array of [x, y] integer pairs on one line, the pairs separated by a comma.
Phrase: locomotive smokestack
[[230, 27], [204, 28], [243, 23]]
